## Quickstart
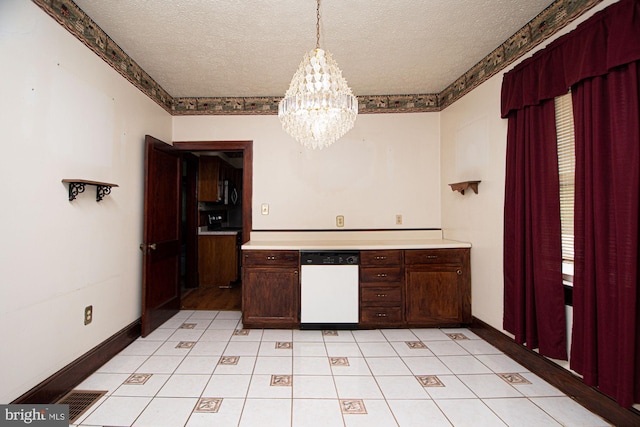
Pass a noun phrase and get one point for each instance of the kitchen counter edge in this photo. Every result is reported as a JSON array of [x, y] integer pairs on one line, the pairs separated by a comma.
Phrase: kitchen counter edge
[[354, 245], [218, 233]]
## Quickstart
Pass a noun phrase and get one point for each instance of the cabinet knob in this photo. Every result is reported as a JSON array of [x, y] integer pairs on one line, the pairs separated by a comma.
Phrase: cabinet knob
[[382, 274], [381, 295], [432, 256], [381, 257], [271, 257], [381, 315], [459, 272]]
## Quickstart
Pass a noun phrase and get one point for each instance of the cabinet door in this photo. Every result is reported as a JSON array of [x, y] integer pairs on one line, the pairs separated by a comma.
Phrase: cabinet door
[[217, 260], [270, 297], [434, 295], [208, 179]]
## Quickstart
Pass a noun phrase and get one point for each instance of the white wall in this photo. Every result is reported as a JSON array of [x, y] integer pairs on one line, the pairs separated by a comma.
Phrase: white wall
[[65, 114], [388, 164], [473, 146]]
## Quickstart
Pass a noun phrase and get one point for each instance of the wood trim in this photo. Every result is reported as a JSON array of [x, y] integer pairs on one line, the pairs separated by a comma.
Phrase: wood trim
[[63, 381], [557, 376], [190, 236], [247, 172]]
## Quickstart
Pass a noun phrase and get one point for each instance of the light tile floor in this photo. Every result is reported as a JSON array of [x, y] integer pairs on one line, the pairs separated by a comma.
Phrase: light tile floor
[[201, 368]]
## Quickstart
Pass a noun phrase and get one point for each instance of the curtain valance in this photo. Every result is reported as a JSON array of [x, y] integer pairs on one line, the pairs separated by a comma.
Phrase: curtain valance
[[609, 39]]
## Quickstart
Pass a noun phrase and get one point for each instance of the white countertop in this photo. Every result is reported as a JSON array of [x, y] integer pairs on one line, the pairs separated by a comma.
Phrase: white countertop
[[350, 240]]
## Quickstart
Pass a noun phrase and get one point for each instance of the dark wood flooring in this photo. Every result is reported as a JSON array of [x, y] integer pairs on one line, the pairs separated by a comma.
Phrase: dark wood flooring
[[212, 298]]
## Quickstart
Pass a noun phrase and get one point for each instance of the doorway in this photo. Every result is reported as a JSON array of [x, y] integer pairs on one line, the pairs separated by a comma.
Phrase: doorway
[[195, 294]]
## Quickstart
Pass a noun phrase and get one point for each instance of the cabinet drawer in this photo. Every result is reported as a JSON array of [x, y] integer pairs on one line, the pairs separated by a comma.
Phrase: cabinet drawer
[[271, 258], [374, 258], [434, 256], [376, 315], [381, 274], [386, 295]]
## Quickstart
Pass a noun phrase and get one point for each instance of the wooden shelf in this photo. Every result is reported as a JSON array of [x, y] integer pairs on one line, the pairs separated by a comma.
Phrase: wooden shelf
[[462, 186], [76, 186]]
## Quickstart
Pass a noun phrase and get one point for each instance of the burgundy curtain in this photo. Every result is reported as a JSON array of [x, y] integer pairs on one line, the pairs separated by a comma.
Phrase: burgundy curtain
[[599, 61], [606, 328], [533, 293]]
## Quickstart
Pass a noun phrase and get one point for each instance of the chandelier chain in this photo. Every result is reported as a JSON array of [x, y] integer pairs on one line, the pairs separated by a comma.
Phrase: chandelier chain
[[318, 25]]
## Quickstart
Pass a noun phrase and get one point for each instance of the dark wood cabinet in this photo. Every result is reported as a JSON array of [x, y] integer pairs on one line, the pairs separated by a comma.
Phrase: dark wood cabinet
[[437, 287], [381, 277], [217, 260], [398, 288], [212, 174], [270, 289]]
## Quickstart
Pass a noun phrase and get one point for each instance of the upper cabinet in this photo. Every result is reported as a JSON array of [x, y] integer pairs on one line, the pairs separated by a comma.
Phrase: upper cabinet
[[213, 174]]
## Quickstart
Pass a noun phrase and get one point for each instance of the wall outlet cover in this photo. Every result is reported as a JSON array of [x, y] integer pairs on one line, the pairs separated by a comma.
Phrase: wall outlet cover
[[88, 314]]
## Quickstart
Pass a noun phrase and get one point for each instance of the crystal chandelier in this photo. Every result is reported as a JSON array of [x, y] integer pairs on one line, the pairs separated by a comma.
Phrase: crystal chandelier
[[319, 107]]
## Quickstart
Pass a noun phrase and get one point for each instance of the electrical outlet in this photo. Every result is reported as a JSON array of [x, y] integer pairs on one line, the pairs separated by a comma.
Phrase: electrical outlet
[[265, 209], [88, 314], [398, 219], [340, 221]]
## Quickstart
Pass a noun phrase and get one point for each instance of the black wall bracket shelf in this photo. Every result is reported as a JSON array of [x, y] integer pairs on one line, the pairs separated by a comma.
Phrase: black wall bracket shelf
[[76, 186]]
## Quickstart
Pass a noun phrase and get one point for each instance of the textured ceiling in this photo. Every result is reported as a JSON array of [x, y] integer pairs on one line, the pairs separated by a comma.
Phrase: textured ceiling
[[244, 48]]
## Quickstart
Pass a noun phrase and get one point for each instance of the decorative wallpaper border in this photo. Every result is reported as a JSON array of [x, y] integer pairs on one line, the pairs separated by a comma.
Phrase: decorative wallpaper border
[[547, 23], [269, 105]]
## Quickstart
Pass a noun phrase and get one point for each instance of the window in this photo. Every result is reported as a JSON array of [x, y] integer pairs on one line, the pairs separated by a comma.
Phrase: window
[[567, 168]]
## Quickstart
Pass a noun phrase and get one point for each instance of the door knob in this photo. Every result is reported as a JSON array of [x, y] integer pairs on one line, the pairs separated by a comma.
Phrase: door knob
[[151, 247]]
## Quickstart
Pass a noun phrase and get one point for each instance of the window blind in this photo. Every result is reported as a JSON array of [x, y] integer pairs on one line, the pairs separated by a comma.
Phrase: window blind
[[567, 167]]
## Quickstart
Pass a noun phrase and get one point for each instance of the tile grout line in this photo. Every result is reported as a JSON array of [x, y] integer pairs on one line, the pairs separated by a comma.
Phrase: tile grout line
[[367, 362], [406, 366]]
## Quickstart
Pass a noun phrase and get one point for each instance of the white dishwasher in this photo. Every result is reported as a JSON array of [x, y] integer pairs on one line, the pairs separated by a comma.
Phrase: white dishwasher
[[329, 289]]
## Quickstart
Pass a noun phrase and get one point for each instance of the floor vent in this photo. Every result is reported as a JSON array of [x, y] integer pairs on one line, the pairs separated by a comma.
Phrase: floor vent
[[79, 401]]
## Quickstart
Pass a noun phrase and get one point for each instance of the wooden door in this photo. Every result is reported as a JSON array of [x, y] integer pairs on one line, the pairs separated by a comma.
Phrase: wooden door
[[161, 234]]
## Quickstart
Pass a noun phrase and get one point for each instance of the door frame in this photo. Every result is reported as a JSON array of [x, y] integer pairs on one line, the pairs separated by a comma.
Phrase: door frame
[[246, 147], [190, 209]]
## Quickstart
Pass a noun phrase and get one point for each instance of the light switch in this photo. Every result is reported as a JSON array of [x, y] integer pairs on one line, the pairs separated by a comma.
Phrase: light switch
[[265, 209]]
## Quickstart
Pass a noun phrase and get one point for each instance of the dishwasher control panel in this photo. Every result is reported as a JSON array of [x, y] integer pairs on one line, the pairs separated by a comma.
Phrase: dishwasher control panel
[[329, 258]]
